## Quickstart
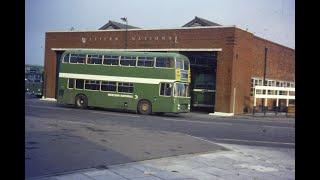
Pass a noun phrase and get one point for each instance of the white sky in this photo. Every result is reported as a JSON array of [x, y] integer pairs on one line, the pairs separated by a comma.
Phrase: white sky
[[270, 19]]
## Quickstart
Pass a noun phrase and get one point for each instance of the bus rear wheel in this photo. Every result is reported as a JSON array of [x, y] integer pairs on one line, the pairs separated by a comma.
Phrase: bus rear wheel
[[144, 107], [81, 101]]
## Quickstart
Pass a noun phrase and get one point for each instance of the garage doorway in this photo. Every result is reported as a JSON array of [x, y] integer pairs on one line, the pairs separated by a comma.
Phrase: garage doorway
[[203, 66]]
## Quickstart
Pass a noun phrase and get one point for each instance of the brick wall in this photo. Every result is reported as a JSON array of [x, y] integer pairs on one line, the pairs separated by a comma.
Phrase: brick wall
[[239, 59], [250, 52]]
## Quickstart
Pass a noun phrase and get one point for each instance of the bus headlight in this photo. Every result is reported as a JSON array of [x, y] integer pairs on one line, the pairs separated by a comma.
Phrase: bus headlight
[[178, 106], [188, 106]]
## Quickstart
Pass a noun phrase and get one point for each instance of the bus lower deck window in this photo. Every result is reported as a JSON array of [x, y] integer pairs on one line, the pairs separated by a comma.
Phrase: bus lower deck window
[[165, 89], [79, 83], [92, 85], [108, 86], [71, 83], [125, 87]]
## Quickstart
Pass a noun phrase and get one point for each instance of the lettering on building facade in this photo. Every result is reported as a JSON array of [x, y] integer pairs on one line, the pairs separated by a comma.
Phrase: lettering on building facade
[[132, 38]]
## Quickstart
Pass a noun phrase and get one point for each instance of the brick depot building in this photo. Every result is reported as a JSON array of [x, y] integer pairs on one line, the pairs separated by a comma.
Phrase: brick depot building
[[236, 56]]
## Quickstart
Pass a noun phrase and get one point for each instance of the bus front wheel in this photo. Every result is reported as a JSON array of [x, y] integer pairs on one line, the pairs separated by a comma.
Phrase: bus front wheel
[[81, 101], [144, 107]]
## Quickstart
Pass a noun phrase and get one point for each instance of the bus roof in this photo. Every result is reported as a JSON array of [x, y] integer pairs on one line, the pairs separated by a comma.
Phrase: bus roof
[[129, 53]]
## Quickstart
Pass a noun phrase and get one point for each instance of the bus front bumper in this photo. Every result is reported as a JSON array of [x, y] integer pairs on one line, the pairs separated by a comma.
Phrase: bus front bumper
[[182, 108]]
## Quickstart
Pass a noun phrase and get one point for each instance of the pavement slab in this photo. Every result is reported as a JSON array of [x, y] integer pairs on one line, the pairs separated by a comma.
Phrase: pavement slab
[[240, 162]]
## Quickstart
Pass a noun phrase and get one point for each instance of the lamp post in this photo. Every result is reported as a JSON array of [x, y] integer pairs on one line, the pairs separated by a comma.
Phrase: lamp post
[[126, 36], [264, 105]]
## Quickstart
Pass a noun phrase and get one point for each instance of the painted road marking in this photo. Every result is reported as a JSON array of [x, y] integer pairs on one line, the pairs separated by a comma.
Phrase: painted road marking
[[242, 140], [271, 121], [107, 113], [49, 107], [278, 127], [69, 109], [200, 122]]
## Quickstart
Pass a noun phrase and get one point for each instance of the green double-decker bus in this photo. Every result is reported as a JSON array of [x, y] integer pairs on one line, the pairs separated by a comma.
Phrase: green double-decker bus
[[145, 82], [203, 92]]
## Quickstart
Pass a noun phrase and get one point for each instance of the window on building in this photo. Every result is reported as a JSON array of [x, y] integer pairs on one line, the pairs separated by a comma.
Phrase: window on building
[[66, 58], [271, 92], [271, 83], [258, 91], [282, 92], [145, 61], [165, 89], [291, 93], [108, 86], [128, 60], [291, 101], [259, 82], [255, 82], [71, 83], [79, 83], [164, 62], [77, 58], [125, 87], [94, 59], [292, 84], [92, 85], [111, 60], [282, 84]]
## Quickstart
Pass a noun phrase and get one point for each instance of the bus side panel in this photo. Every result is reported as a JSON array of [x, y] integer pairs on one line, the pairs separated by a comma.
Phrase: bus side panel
[[164, 104], [151, 93], [144, 91], [112, 100], [65, 95]]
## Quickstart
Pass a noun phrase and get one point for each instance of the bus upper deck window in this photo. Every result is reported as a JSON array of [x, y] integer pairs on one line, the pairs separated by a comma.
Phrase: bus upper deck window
[[111, 60], [128, 60], [186, 64], [164, 62], [94, 59], [179, 64], [66, 58], [77, 58], [145, 61]]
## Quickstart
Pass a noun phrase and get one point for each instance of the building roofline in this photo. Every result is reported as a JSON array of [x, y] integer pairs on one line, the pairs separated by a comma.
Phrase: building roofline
[[260, 38], [178, 28], [201, 21], [168, 49], [150, 29], [118, 25]]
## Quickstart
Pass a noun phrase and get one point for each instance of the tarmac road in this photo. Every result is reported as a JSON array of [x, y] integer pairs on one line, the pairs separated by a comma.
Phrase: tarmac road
[[62, 138]]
